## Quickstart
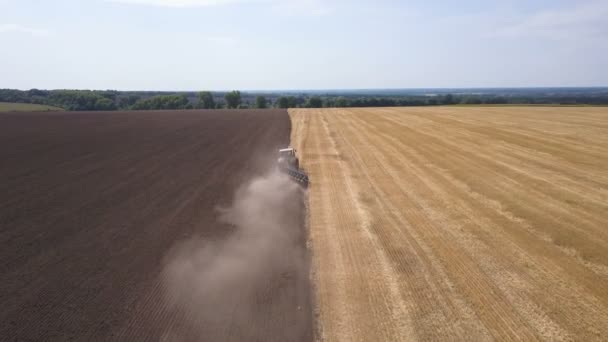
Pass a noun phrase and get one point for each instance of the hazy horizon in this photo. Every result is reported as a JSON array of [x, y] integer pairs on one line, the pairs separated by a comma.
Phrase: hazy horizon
[[289, 45], [332, 90]]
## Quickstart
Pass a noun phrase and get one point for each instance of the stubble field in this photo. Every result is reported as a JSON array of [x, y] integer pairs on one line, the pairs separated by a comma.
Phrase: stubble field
[[457, 223], [444, 223]]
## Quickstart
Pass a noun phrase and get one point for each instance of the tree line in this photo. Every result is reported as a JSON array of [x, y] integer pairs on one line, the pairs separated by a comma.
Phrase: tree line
[[107, 100]]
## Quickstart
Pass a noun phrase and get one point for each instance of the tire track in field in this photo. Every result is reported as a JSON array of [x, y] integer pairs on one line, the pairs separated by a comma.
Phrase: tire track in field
[[421, 225], [548, 192], [347, 223], [567, 292], [431, 294], [471, 206], [484, 260]]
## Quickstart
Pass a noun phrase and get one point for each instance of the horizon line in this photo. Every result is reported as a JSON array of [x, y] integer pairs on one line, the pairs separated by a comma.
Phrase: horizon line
[[318, 89]]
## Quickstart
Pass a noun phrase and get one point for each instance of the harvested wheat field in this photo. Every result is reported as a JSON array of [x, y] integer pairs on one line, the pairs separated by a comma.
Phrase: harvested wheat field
[[466, 223]]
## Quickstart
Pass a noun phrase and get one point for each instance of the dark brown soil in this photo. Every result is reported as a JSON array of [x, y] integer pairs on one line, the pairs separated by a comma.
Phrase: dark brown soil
[[92, 203]]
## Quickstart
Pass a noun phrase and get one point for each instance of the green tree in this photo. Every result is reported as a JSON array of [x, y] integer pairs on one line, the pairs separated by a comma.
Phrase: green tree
[[471, 100], [448, 99], [126, 101], [162, 102], [341, 102], [282, 102], [205, 100], [260, 102], [287, 102], [314, 102], [233, 99], [104, 104]]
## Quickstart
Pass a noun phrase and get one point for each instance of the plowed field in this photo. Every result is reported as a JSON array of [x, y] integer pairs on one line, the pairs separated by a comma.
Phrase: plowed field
[[94, 207], [447, 223]]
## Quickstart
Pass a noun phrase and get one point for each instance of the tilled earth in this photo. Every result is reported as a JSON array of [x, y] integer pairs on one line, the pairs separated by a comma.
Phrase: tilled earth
[[92, 204]]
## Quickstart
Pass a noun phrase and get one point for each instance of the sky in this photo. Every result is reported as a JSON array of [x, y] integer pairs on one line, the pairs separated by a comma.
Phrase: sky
[[301, 44]]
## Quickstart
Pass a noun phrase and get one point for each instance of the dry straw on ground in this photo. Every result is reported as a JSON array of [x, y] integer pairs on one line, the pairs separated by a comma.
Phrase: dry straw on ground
[[444, 223]]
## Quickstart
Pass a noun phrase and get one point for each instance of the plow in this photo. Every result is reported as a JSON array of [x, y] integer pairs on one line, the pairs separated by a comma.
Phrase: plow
[[289, 164]]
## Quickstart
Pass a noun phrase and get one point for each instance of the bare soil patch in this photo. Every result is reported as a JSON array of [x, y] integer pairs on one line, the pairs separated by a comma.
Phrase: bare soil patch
[[94, 205]]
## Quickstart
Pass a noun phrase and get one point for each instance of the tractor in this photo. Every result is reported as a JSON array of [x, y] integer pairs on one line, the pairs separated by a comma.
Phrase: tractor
[[289, 164]]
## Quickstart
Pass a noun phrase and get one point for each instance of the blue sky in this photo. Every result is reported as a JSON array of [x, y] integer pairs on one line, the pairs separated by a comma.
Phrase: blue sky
[[306, 44]]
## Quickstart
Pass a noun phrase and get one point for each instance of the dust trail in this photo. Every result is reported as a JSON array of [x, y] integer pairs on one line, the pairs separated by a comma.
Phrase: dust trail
[[251, 283]]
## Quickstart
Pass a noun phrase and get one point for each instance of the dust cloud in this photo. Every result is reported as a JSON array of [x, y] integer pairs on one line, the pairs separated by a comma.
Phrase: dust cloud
[[252, 285]]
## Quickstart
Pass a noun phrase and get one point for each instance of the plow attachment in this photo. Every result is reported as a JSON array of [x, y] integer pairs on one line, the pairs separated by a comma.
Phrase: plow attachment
[[289, 163], [297, 175]]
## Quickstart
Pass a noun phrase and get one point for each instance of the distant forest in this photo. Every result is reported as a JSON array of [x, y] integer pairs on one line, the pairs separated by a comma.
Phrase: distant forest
[[106, 100]]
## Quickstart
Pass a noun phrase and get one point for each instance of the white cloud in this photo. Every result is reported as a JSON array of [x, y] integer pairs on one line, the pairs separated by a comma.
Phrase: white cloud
[[12, 28], [289, 7], [582, 21], [226, 41], [181, 3], [307, 7]]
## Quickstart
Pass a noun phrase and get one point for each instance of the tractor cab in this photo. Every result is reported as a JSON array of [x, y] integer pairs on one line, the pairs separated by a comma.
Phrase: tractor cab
[[289, 164], [286, 152], [288, 159]]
